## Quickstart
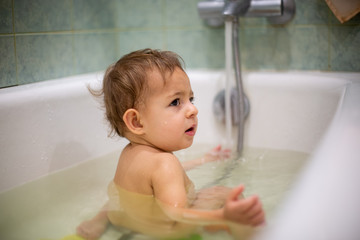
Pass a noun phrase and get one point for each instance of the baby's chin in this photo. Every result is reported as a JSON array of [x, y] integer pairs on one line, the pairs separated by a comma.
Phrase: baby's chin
[[176, 147]]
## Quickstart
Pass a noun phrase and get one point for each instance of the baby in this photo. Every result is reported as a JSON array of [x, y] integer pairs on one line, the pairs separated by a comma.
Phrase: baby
[[149, 101]]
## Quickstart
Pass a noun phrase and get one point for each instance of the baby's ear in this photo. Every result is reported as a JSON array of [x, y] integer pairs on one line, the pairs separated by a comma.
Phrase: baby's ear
[[132, 120]]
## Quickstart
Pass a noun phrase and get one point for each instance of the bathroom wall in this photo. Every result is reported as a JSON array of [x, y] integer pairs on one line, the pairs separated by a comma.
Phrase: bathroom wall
[[47, 39]]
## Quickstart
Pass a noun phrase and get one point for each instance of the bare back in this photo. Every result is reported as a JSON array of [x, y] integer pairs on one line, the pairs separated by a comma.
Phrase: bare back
[[150, 171]]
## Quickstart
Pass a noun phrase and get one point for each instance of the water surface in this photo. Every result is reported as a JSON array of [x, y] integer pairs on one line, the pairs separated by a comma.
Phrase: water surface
[[52, 207]]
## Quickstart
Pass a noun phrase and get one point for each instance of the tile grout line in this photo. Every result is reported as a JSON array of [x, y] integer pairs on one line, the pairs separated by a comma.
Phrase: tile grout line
[[14, 38], [329, 28], [72, 37]]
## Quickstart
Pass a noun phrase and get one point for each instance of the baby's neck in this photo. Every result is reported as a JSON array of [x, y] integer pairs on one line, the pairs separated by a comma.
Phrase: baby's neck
[[146, 146]]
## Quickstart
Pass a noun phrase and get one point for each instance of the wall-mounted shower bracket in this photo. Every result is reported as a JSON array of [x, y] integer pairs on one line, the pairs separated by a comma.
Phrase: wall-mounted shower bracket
[[213, 12], [219, 106]]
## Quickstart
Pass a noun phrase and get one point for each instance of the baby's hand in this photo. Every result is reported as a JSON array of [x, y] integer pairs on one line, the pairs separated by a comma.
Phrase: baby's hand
[[246, 211], [216, 154]]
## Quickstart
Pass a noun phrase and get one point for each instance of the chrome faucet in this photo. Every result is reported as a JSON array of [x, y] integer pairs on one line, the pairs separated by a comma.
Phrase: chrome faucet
[[214, 12], [235, 8]]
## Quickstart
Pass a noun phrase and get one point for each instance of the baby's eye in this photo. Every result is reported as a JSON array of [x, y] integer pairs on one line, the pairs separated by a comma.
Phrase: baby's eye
[[192, 99], [175, 102]]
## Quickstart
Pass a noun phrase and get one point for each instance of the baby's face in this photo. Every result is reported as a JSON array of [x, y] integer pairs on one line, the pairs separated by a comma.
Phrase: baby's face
[[169, 117]]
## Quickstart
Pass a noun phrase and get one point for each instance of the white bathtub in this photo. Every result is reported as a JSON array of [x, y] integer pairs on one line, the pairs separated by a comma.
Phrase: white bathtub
[[52, 125]]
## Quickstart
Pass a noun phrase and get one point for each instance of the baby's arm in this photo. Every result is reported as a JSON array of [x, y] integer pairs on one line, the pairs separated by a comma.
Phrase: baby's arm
[[168, 183], [246, 211], [215, 154]]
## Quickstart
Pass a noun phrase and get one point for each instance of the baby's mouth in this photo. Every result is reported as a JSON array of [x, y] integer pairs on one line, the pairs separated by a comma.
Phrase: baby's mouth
[[191, 131]]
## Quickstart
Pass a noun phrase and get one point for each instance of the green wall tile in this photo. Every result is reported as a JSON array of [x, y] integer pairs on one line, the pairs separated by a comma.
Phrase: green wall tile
[[43, 57], [252, 21], [7, 62], [139, 13], [182, 13], [129, 41], [309, 48], [311, 12], [94, 14], [87, 35], [345, 48], [202, 48], [42, 15], [6, 25], [265, 48], [301, 48], [94, 51]]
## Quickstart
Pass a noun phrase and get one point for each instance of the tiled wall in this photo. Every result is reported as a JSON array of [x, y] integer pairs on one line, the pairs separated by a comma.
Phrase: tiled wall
[[46, 39]]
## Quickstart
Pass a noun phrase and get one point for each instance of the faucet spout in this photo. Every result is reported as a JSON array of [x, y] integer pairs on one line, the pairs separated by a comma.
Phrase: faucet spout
[[235, 8]]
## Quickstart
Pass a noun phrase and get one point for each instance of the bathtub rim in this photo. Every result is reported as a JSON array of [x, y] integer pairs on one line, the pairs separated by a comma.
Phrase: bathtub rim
[[326, 181], [50, 87]]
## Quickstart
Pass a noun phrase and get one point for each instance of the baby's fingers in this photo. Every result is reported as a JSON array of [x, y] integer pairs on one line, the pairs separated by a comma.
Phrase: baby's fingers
[[224, 152], [217, 148], [245, 205], [245, 211], [255, 215], [255, 208], [235, 193], [219, 152], [258, 219]]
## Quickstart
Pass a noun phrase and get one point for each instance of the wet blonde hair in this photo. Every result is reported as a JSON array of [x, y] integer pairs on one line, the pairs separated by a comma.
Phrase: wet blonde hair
[[126, 81]]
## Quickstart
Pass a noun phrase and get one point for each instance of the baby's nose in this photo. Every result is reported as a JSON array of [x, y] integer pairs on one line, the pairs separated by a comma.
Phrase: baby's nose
[[192, 111]]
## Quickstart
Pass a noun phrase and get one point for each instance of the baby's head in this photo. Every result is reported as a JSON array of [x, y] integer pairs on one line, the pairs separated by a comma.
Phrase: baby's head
[[126, 81]]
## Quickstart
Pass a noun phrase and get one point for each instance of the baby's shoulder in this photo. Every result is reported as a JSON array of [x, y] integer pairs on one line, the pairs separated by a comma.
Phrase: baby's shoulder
[[166, 158], [166, 164], [151, 158]]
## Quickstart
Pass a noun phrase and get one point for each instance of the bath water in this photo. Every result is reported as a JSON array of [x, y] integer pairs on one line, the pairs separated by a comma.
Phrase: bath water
[[52, 207]]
